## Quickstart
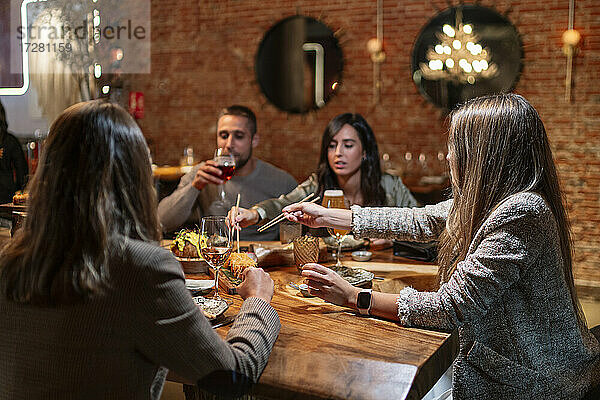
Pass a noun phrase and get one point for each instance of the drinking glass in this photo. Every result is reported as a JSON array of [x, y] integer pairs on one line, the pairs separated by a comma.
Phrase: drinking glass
[[218, 245], [336, 199], [306, 250], [226, 163]]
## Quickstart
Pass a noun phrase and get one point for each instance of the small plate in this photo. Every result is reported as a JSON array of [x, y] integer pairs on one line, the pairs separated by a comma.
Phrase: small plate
[[355, 276], [199, 286], [189, 259], [211, 308], [302, 288], [361, 255]]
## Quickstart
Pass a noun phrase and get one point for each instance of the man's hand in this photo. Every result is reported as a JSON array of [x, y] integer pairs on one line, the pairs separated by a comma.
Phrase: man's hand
[[257, 283], [207, 173], [244, 217]]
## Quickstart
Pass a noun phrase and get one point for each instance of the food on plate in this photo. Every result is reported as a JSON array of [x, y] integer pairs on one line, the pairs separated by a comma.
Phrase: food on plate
[[211, 308], [238, 262], [187, 243], [20, 198]]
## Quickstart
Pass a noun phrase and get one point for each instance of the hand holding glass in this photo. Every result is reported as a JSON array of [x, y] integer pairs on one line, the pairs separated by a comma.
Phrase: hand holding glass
[[226, 163]]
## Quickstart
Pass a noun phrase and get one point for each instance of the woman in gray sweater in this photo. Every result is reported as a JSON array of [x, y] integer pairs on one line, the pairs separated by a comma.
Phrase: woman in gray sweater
[[505, 261], [90, 305]]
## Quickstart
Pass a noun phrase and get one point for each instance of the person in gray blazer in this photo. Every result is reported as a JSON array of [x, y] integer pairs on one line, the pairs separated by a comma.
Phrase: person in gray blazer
[[90, 306], [505, 261]]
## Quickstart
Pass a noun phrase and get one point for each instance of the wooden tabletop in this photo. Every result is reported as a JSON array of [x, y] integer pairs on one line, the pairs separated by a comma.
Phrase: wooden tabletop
[[329, 352]]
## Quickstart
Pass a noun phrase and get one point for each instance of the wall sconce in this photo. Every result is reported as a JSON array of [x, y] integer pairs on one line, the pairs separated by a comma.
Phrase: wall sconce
[[570, 39], [375, 49]]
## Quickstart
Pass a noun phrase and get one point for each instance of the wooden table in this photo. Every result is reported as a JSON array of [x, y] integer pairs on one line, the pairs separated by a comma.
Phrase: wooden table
[[329, 352]]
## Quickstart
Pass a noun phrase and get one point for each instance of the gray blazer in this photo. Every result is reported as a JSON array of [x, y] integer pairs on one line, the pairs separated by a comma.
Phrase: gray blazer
[[112, 345], [518, 333]]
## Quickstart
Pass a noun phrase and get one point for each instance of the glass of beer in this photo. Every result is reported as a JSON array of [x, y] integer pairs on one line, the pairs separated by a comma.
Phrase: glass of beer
[[336, 199], [226, 163]]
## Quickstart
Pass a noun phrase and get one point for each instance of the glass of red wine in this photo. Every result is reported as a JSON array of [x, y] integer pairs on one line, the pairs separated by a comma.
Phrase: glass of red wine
[[226, 163], [217, 247]]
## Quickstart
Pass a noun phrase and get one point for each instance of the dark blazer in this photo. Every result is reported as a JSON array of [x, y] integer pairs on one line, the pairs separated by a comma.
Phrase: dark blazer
[[112, 345], [519, 336], [13, 167]]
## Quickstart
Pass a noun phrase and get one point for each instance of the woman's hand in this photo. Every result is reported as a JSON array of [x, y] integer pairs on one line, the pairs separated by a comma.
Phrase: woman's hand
[[243, 218], [309, 214], [316, 216], [256, 283], [328, 285]]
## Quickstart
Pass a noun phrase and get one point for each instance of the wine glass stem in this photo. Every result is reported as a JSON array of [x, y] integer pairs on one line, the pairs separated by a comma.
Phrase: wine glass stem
[[339, 251], [216, 295]]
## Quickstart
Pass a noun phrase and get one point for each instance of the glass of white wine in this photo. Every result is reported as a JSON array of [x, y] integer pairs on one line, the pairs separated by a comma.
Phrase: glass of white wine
[[336, 199], [217, 248]]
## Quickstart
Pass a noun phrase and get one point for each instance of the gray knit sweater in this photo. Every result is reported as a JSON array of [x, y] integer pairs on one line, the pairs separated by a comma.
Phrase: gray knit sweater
[[519, 337]]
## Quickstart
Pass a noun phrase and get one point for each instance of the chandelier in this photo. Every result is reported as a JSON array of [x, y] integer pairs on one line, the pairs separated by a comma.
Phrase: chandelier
[[458, 56]]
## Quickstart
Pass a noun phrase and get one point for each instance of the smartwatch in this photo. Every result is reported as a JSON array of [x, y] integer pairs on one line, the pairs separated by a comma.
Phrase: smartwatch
[[363, 301]]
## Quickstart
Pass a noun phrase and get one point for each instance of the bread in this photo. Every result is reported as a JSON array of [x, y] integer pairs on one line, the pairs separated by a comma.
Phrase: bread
[[20, 198], [238, 262], [187, 244]]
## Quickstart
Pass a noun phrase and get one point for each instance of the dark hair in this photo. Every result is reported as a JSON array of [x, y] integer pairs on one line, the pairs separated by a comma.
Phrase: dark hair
[[500, 148], [92, 190], [370, 169], [3, 124], [241, 111]]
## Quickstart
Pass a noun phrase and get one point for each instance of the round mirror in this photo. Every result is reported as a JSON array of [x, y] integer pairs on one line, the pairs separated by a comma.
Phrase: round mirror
[[299, 64], [465, 52]]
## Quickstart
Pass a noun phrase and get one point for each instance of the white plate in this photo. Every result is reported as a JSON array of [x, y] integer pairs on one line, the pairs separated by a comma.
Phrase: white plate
[[199, 284]]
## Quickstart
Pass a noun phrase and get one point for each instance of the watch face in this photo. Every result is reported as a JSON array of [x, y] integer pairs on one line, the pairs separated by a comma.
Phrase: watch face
[[363, 300]]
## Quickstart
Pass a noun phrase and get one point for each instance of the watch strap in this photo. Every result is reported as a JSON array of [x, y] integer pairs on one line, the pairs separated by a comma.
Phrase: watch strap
[[365, 311]]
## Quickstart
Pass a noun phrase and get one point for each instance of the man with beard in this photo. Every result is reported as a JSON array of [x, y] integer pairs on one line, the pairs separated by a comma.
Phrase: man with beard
[[198, 192]]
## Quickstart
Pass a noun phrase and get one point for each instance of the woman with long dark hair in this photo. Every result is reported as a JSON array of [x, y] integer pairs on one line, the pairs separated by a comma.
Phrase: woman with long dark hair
[[506, 277], [349, 160], [90, 305]]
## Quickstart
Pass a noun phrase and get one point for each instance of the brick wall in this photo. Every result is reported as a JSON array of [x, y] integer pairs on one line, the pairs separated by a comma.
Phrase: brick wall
[[203, 58]]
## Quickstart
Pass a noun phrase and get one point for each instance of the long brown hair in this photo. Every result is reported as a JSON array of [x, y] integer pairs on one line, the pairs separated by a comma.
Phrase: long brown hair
[[92, 190], [370, 169], [500, 148]]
